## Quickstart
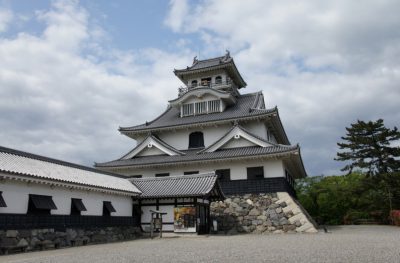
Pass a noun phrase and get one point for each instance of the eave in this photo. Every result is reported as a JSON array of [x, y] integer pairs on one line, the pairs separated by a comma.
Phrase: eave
[[28, 178], [278, 155]]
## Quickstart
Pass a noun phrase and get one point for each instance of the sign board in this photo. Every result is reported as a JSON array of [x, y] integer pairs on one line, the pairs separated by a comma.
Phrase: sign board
[[185, 219]]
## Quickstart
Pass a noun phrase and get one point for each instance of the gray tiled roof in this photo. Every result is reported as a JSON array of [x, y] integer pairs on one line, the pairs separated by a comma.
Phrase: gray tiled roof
[[20, 163], [171, 117], [193, 156], [195, 185], [202, 66], [206, 63]]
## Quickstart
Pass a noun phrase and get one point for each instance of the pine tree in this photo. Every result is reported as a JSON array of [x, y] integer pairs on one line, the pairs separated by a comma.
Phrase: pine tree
[[369, 147]]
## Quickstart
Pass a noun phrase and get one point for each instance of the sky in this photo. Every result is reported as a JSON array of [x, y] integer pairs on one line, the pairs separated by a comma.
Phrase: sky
[[72, 72]]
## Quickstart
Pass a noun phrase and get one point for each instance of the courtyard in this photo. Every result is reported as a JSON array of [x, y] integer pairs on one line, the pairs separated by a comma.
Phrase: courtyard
[[342, 244]]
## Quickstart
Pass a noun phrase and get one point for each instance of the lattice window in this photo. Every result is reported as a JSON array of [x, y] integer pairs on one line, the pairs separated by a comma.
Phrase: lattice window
[[214, 106], [187, 109], [201, 107]]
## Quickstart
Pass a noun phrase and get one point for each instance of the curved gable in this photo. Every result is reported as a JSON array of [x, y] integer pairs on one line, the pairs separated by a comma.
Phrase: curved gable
[[237, 137], [151, 146], [200, 93]]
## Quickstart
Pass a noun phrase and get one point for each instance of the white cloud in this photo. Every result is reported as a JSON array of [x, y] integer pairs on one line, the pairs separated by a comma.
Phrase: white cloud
[[6, 17], [177, 14], [325, 64], [62, 98]]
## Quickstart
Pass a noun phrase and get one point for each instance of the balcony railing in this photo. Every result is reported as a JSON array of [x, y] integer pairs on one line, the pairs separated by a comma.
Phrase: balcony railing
[[204, 84]]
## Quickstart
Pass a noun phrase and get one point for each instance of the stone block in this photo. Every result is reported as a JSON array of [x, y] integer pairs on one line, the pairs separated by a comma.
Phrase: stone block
[[24, 233], [262, 217], [278, 210], [11, 233], [287, 228], [283, 221], [22, 243], [8, 242]]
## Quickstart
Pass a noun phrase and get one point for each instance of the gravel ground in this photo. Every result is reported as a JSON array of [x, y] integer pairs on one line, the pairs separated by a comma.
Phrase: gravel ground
[[343, 244]]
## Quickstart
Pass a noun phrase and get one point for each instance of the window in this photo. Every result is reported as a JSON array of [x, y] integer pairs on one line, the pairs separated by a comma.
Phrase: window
[[223, 174], [187, 109], [218, 80], [108, 208], [289, 178], [254, 173], [206, 82], [190, 172], [214, 106], [162, 175], [196, 140], [193, 84], [2, 202], [198, 108], [136, 176], [40, 205], [77, 206], [201, 107]]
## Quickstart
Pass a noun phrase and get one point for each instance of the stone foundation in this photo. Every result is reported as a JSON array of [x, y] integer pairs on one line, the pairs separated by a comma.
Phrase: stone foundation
[[261, 213], [39, 239]]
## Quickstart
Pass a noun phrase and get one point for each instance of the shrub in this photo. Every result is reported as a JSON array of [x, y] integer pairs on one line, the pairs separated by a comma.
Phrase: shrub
[[395, 216]]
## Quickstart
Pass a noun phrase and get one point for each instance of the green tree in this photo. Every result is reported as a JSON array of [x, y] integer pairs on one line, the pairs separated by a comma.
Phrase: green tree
[[369, 147]]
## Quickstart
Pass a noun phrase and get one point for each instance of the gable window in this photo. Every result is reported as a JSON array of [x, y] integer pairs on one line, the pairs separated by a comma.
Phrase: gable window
[[162, 175], [193, 84], [40, 205], [77, 206], [201, 107], [218, 80], [187, 109], [108, 208], [223, 174], [2, 202], [190, 172], [214, 106], [196, 140], [254, 173]]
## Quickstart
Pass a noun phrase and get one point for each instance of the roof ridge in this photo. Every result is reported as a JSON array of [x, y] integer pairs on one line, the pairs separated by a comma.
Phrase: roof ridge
[[55, 161], [147, 122], [175, 177]]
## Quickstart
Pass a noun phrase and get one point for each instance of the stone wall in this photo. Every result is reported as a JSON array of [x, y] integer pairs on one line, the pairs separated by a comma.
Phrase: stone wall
[[261, 213], [39, 239]]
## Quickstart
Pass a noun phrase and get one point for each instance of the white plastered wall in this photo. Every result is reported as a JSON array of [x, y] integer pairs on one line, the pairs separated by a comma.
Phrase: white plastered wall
[[180, 139], [16, 196], [272, 168]]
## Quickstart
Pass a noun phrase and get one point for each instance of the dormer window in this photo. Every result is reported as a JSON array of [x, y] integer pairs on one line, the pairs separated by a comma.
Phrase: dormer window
[[196, 140], [218, 80], [193, 84]]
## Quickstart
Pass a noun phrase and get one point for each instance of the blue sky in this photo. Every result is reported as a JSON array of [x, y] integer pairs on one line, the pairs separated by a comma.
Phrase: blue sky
[[72, 72]]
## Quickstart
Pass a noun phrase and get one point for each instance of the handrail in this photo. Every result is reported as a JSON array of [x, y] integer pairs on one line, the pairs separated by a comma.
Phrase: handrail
[[182, 90]]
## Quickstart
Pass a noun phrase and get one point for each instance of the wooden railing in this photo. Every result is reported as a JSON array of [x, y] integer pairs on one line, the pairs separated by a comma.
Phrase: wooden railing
[[183, 90]]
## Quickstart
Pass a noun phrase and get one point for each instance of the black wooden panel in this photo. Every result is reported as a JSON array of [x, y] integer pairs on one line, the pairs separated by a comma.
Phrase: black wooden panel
[[256, 186]]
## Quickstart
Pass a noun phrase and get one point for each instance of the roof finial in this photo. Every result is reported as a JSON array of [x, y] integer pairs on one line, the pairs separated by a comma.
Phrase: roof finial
[[228, 54], [195, 60]]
